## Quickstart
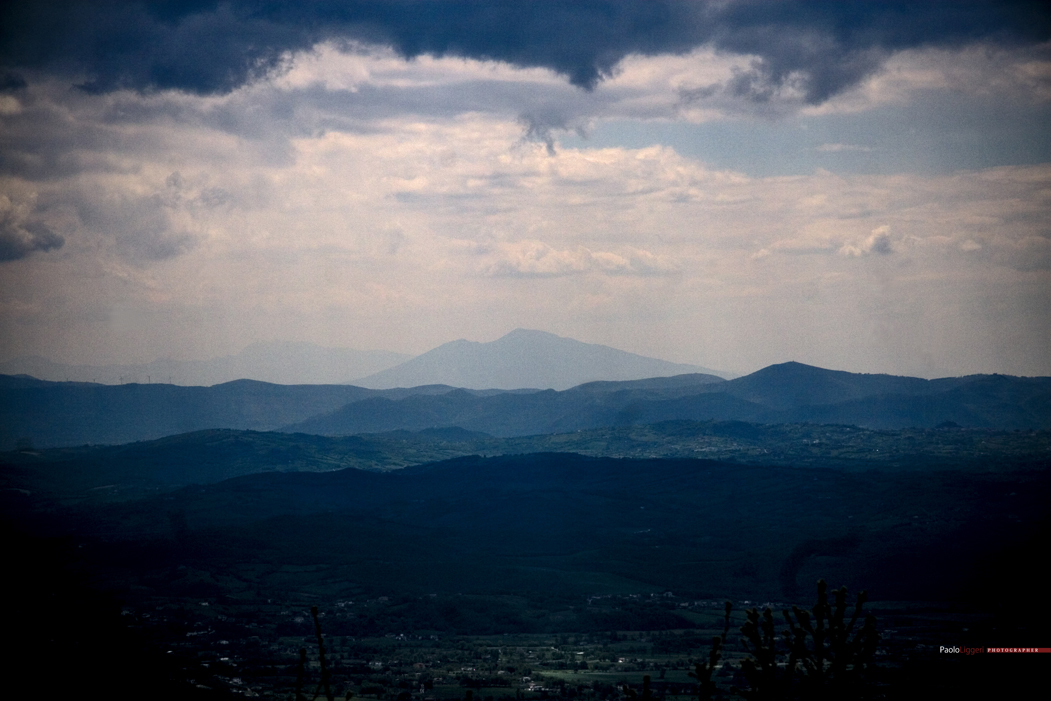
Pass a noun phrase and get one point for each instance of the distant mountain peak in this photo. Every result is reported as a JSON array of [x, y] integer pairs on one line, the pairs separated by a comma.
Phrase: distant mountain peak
[[530, 333], [524, 358], [793, 367]]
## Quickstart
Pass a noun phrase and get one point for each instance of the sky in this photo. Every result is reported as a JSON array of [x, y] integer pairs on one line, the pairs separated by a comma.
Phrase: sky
[[863, 186]]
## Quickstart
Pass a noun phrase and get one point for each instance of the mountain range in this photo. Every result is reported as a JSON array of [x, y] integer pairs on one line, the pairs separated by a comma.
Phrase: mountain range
[[75, 413], [45, 414], [784, 393]]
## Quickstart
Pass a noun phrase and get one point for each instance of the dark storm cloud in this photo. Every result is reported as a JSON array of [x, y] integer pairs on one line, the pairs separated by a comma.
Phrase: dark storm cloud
[[19, 238], [212, 47], [11, 82]]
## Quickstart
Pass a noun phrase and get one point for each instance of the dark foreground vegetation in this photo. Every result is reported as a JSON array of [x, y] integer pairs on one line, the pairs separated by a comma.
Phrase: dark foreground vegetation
[[64, 635], [190, 566]]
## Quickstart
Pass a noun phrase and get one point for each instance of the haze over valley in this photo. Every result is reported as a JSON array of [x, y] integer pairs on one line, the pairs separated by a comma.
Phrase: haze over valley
[[521, 358]]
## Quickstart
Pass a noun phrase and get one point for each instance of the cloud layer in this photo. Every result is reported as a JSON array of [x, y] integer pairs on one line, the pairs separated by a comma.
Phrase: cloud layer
[[242, 172], [817, 49]]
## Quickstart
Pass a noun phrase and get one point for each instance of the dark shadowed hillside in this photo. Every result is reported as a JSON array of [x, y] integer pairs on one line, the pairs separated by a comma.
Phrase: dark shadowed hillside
[[98, 474], [567, 523], [219, 542]]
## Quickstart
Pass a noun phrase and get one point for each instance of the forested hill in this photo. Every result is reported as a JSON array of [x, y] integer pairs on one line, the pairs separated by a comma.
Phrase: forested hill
[[573, 524]]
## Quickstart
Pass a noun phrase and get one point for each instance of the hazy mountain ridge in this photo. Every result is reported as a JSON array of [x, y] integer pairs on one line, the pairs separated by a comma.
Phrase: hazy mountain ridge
[[524, 358], [520, 359], [55, 414], [505, 414], [977, 401], [785, 393], [280, 362], [67, 413]]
